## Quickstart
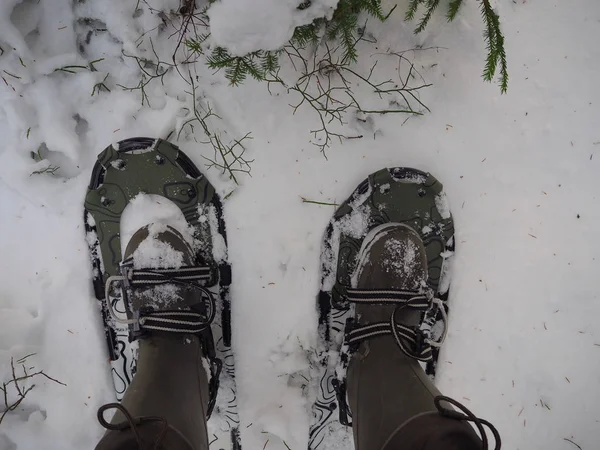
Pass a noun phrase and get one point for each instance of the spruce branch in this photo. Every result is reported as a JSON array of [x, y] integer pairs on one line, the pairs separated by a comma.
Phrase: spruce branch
[[431, 7], [495, 45], [453, 8], [494, 39], [411, 11]]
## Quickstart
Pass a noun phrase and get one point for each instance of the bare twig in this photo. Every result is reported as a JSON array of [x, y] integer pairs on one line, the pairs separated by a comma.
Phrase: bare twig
[[50, 170], [228, 157], [100, 85], [326, 82], [20, 390], [151, 70]]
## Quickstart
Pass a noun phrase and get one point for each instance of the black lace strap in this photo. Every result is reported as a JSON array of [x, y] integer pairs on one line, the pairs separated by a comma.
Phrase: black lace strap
[[174, 321], [149, 277], [412, 299]]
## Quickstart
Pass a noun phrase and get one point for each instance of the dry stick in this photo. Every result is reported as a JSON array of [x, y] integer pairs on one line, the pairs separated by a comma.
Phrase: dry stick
[[22, 393], [189, 15]]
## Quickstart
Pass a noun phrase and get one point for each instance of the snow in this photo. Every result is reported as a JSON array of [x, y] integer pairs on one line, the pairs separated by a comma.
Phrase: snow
[[409, 252], [520, 172], [356, 223], [239, 25], [156, 254], [160, 211], [384, 188], [219, 247], [441, 203]]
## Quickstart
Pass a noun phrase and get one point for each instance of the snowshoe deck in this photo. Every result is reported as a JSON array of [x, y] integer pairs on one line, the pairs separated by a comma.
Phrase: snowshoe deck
[[399, 195], [154, 166]]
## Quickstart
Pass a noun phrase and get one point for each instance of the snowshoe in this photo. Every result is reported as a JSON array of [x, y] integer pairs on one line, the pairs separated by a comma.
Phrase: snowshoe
[[385, 199], [156, 167]]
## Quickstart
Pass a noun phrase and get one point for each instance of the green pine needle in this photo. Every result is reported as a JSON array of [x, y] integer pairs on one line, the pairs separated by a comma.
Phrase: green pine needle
[[270, 62], [494, 40], [453, 8], [307, 34], [412, 9], [236, 73], [343, 28], [195, 45], [431, 7]]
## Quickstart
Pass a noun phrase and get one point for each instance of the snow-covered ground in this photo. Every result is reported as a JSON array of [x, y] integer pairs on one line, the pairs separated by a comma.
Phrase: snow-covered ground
[[521, 172]]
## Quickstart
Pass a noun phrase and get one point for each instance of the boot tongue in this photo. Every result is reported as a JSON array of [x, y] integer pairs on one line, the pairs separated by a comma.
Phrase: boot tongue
[[156, 251], [159, 246], [393, 259]]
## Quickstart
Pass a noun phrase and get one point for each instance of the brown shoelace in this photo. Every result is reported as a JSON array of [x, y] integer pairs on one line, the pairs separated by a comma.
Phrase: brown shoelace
[[132, 423], [468, 416]]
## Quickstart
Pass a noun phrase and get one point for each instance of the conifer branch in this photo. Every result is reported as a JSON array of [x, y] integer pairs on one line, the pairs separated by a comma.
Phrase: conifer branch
[[494, 39], [453, 8], [431, 7]]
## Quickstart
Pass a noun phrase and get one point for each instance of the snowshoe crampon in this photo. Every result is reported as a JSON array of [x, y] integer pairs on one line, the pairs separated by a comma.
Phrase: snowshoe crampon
[[156, 167], [397, 195]]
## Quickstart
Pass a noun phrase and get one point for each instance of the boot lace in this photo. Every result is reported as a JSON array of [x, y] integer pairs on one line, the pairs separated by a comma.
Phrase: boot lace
[[133, 424], [465, 414]]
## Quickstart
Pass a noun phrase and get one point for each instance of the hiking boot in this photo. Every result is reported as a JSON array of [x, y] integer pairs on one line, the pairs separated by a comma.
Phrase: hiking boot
[[386, 387], [394, 404], [171, 379]]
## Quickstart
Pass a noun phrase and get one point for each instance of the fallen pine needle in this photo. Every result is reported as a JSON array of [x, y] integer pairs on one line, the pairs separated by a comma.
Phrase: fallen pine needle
[[576, 445], [318, 203]]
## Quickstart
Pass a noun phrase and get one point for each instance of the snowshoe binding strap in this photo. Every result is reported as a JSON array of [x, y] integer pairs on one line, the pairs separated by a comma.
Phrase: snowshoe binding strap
[[414, 342], [184, 275], [164, 320]]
